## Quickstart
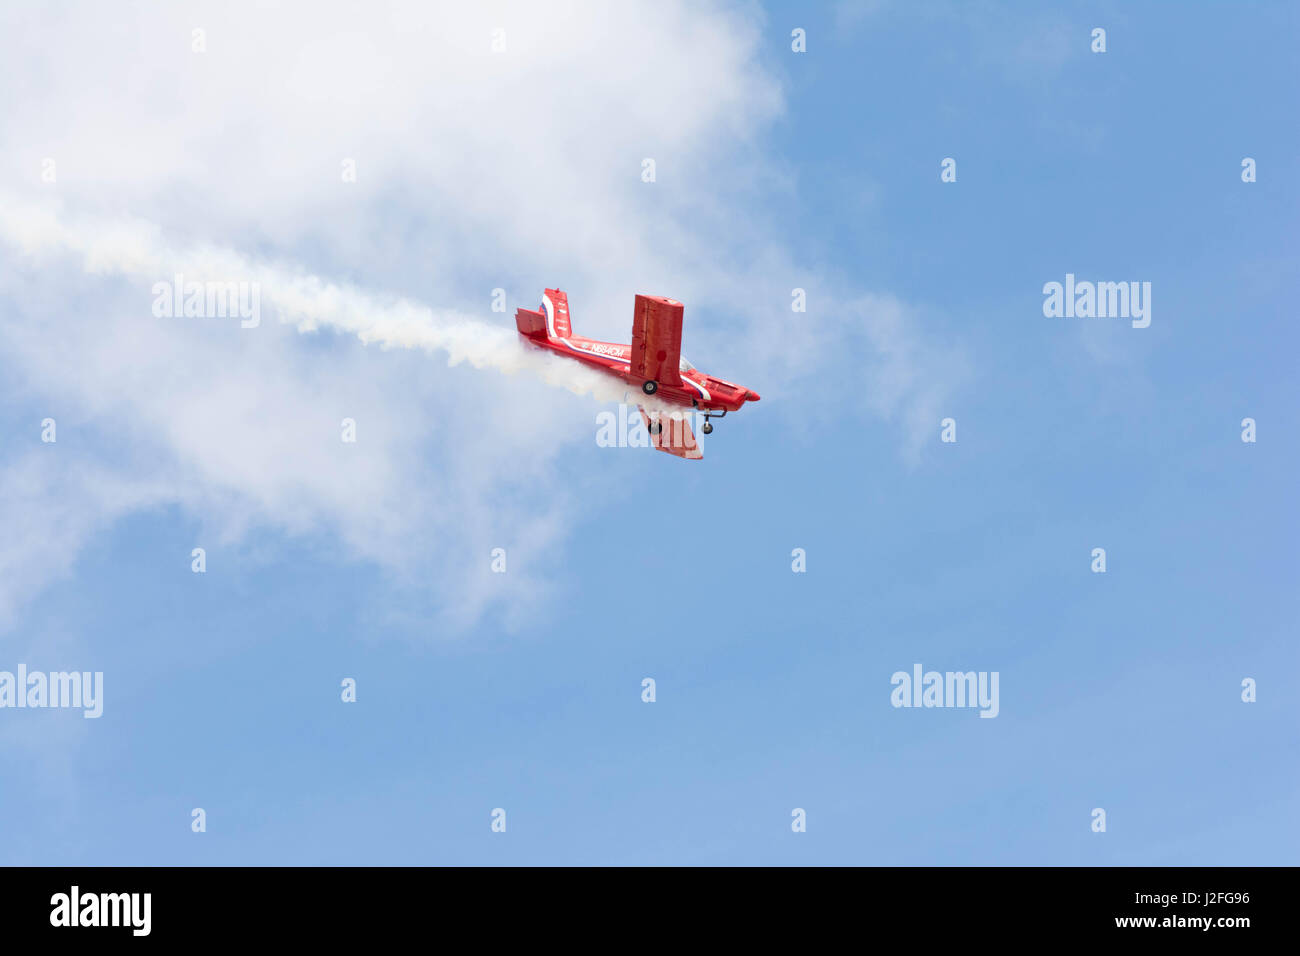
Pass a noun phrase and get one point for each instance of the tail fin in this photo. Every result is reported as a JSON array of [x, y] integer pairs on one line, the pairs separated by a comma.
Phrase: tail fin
[[550, 320], [556, 306]]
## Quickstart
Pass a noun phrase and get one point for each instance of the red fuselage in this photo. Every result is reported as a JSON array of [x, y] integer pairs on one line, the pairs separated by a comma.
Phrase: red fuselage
[[549, 328]]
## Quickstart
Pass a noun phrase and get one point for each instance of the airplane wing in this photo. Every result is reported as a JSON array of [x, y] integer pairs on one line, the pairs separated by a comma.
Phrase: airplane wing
[[657, 340], [672, 435]]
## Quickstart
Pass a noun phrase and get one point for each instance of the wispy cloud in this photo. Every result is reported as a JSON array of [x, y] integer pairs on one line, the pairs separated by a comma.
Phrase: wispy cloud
[[475, 170]]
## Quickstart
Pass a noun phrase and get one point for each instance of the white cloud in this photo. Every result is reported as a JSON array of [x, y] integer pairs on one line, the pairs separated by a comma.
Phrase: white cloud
[[475, 170]]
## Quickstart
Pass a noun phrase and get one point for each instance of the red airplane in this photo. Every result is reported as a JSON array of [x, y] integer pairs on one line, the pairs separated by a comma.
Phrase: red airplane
[[653, 361]]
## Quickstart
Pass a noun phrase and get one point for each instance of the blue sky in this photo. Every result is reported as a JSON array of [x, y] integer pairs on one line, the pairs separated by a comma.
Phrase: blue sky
[[522, 690]]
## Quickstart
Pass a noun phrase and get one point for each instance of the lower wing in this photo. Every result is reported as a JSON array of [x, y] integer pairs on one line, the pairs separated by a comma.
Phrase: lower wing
[[671, 434]]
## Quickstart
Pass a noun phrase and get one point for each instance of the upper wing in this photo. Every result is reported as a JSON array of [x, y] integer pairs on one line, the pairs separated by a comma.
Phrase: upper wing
[[672, 434], [657, 340]]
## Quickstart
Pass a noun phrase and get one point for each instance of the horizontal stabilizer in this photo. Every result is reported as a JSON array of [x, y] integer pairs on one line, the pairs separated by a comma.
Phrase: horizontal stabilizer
[[531, 322]]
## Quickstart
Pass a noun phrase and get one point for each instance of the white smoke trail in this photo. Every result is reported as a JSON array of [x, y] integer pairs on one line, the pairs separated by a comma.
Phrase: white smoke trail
[[137, 248]]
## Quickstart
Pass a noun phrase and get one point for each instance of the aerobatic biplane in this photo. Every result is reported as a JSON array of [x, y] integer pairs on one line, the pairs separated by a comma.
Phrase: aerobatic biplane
[[653, 362]]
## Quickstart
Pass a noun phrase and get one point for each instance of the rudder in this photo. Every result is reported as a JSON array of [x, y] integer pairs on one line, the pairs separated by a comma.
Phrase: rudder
[[555, 305]]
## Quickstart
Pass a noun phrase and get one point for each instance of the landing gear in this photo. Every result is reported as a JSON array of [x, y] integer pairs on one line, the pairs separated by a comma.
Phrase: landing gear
[[650, 387], [656, 428], [707, 427]]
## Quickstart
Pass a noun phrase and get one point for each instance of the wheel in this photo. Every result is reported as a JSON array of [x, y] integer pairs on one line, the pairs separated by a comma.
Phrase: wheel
[[656, 427], [708, 428], [650, 387]]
